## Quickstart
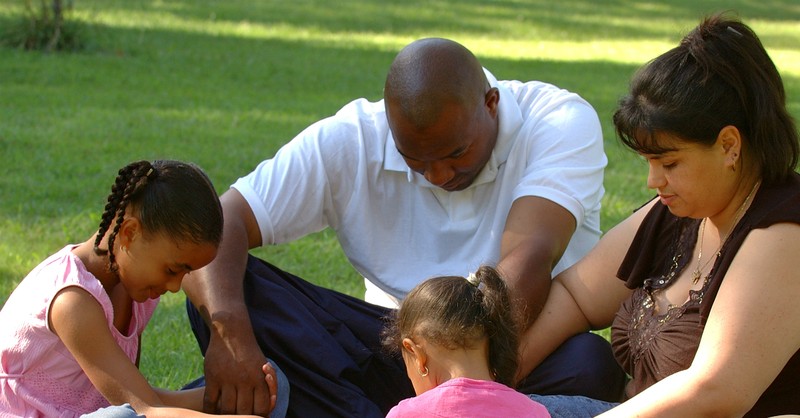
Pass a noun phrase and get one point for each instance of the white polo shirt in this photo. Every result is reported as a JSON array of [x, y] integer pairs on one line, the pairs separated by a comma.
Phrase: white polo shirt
[[396, 228]]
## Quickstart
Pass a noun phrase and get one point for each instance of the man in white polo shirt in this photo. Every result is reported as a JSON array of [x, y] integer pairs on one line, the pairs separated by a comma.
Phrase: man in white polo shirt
[[453, 169]]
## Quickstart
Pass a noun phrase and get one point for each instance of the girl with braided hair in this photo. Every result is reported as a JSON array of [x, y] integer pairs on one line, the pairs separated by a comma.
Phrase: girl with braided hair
[[459, 339], [71, 330]]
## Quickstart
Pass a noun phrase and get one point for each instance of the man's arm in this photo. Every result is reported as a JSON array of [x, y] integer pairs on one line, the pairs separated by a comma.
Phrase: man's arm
[[234, 382], [536, 235]]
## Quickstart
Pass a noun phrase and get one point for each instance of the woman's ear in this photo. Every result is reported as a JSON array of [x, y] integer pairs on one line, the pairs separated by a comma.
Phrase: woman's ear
[[730, 139]]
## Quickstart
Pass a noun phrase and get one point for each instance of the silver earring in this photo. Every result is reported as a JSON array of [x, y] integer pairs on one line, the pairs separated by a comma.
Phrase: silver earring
[[425, 373]]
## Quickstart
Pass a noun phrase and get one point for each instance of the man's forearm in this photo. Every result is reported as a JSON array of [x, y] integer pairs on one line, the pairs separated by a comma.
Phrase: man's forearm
[[217, 288], [528, 276], [536, 234]]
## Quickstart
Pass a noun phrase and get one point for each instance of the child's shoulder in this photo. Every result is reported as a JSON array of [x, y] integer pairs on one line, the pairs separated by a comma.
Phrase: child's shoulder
[[56, 272]]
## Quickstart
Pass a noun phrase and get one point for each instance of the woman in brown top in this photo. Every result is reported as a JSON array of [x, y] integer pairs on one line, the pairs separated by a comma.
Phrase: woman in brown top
[[701, 284]]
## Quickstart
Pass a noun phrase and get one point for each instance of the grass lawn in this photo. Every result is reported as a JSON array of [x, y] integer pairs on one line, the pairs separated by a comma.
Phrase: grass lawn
[[225, 84]]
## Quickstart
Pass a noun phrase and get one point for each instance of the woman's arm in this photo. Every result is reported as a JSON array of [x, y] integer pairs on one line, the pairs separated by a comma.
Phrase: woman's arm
[[582, 297], [78, 320], [751, 333]]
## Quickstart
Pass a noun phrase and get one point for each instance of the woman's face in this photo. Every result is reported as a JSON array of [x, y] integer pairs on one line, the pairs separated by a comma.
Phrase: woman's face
[[153, 264], [692, 180]]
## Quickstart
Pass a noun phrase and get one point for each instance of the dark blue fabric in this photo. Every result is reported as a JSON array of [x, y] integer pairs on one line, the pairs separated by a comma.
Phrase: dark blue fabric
[[584, 365], [328, 344]]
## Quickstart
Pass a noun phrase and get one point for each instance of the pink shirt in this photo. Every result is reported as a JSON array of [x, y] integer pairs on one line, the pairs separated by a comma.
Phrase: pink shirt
[[38, 375], [462, 397]]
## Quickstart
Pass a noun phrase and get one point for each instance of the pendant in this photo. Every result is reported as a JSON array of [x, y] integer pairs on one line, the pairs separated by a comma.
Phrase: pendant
[[696, 276]]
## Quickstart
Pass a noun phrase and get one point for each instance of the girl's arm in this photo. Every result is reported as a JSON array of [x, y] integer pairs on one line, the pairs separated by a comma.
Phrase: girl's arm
[[582, 297], [78, 320], [751, 334]]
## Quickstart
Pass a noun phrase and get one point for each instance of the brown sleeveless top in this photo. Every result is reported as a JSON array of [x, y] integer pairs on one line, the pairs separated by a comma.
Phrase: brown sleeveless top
[[650, 347]]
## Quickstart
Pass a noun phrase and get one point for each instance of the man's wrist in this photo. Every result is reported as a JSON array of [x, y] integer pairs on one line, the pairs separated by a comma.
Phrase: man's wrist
[[229, 325]]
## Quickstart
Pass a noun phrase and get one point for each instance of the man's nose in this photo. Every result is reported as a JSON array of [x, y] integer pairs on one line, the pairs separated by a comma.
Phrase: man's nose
[[438, 173]]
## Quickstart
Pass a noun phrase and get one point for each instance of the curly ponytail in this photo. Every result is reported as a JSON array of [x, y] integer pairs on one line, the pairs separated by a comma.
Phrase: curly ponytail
[[461, 313]]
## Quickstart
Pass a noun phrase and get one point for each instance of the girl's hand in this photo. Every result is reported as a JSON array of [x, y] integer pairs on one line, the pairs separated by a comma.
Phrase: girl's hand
[[272, 382]]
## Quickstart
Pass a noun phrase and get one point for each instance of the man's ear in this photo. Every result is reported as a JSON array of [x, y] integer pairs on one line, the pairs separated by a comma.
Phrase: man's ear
[[492, 100]]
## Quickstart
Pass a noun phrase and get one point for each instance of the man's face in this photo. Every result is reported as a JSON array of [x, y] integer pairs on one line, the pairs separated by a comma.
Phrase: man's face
[[451, 152]]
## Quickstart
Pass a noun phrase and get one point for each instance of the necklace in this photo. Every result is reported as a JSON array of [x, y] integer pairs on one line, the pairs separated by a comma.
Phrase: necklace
[[699, 266]]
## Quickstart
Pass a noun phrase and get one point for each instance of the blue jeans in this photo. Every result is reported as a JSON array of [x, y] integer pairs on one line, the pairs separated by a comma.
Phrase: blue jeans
[[561, 406], [115, 411]]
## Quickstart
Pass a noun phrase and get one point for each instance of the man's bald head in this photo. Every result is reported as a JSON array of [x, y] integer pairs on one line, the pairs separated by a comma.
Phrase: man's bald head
[[430, 73]]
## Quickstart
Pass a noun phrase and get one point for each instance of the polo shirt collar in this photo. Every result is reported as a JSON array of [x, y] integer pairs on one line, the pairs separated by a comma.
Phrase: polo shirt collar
[[510, 121]]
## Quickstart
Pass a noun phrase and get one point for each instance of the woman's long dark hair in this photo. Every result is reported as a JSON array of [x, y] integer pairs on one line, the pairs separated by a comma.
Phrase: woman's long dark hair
[[719, 75]]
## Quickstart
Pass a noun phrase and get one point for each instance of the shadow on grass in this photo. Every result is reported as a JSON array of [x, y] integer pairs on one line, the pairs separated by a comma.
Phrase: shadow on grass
[[574, 19], [228, 102], [73, 120]]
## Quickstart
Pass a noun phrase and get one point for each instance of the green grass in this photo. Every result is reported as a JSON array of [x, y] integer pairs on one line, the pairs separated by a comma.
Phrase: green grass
[[224, 84]]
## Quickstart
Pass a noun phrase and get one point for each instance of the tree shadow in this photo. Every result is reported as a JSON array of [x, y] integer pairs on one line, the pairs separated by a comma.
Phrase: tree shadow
[[571, 19], [227, 102]]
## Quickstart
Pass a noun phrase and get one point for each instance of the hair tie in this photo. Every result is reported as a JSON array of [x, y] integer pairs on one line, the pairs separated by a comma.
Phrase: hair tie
[[473, 279], [149, 172], [731, 29]]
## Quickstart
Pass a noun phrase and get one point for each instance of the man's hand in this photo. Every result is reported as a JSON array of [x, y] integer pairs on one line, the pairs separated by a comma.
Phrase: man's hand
[[237, 380]]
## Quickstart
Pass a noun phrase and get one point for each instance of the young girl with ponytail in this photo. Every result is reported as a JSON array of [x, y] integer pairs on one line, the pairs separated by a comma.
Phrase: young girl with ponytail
[[459, 339]]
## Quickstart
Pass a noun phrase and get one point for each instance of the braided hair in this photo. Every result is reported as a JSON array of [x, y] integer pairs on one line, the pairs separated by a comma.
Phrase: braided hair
[[169, 197]]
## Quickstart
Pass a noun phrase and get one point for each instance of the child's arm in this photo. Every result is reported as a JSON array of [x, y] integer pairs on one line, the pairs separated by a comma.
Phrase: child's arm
[[78, 320]]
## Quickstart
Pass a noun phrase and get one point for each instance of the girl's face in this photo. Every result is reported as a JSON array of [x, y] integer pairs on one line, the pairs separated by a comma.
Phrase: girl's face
[[152, 264], [692, 180]]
